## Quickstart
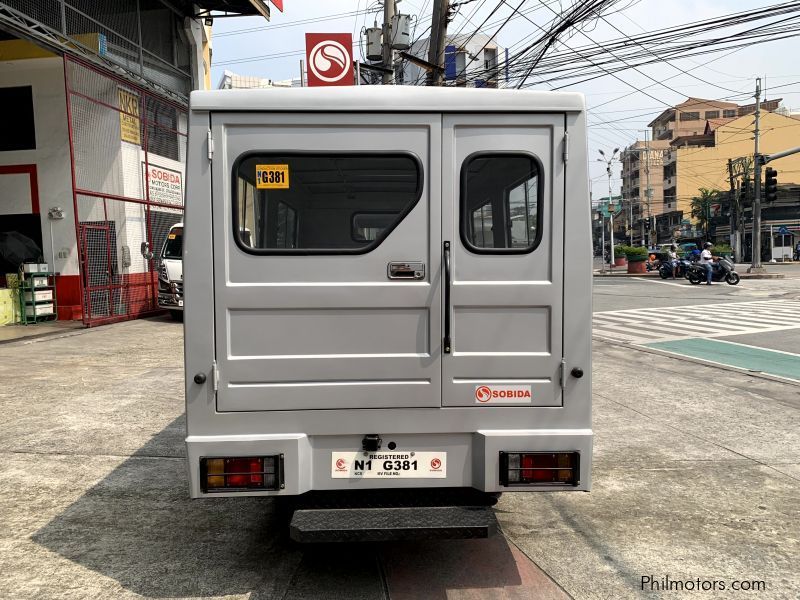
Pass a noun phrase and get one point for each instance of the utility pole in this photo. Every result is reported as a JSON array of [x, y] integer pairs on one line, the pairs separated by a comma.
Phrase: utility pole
[[602, 241], [388, 53], [608, 162], [755, 265], [648, 192], [437, 40], [734, 211]]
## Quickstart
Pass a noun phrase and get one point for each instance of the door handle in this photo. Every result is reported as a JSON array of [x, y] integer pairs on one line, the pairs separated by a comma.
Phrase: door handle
[[406, 270], [446, 257]]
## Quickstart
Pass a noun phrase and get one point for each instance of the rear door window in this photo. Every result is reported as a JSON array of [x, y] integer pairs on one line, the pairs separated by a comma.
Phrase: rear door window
[[321, 203], [500, 210]]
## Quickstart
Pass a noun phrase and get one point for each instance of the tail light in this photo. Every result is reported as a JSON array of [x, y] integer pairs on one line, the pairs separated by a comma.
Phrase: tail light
[[539, 468], [241, 474]]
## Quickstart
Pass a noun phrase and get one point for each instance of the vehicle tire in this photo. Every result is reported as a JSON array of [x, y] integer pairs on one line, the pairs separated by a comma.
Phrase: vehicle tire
[[694, 279], [732, 278], [176, 315], [664, 273]]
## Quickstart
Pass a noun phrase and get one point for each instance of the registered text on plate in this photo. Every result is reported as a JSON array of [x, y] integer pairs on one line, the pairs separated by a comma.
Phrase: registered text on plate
[[388, 465]]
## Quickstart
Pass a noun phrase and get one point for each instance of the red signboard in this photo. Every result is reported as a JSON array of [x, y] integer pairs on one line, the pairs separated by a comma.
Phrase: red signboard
[[329, 58], [278, 4]]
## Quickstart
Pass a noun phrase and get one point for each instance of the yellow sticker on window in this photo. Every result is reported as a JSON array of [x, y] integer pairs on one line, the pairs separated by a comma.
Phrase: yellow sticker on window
[[172, 236], [272, 177]]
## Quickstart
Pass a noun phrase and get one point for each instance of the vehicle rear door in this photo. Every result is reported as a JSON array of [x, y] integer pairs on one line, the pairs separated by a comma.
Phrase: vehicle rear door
[[503, 237], [327, 238]]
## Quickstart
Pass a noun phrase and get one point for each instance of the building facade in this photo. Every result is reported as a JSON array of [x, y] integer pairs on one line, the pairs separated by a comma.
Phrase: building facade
[[701, 162], [92, 168], [642, 189], [469, 61]]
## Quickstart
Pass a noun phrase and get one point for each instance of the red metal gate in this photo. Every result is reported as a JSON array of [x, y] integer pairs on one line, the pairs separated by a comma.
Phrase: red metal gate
[[95, 245], [128, 154]]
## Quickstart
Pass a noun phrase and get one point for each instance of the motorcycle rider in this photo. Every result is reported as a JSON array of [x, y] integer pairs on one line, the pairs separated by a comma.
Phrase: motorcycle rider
[[707, 260]]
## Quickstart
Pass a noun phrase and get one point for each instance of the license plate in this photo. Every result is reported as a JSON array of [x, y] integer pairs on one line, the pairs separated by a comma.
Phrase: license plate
[[388, 465]]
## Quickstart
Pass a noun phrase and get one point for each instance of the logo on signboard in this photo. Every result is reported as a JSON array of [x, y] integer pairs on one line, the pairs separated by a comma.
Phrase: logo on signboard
[[515, 394], [330, 59], [436, 464], [340, 464]]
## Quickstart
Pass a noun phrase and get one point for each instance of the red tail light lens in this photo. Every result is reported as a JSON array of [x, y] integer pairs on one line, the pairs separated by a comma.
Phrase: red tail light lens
[[241, 473], [539, 468]]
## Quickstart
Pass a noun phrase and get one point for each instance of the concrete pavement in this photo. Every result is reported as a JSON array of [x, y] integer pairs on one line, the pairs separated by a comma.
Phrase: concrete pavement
[[697, 475]]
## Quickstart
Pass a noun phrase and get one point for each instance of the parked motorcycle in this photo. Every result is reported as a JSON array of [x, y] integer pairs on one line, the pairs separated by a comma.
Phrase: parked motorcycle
[[665, 269], [722, 270]]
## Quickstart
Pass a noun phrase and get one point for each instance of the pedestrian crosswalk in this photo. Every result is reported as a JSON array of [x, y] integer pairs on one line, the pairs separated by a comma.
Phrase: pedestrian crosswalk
[[645, 325]]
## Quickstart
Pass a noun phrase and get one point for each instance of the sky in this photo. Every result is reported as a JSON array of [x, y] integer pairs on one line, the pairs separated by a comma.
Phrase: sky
[[274, 50]]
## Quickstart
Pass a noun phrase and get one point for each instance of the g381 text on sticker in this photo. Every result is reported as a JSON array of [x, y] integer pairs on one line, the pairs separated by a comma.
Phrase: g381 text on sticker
[[272, 177]]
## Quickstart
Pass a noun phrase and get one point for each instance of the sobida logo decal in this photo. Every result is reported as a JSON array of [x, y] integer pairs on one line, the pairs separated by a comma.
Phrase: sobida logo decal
[[503, 394]]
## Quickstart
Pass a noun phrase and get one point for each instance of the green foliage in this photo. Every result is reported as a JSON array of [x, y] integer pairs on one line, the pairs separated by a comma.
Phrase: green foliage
[[701, 206], [619, 250], [722, 250], [635, 253]]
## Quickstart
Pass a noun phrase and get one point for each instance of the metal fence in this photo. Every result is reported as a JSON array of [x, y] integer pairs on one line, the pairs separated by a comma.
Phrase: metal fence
[[144, 37], [128, 150]]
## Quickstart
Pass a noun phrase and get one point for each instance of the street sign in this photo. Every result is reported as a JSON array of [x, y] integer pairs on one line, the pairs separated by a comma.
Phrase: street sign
[[330, 59], [783, 230]]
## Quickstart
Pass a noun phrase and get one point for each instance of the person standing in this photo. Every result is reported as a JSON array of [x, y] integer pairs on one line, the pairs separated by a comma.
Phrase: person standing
[[673, 259], [707, 260]]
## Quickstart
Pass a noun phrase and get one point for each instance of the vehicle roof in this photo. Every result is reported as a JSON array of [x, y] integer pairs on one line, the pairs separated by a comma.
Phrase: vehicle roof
[[379, 98]]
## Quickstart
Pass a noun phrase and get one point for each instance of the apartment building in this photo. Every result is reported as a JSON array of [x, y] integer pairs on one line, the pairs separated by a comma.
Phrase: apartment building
[[701, 161], [689, 118], [636, 160]]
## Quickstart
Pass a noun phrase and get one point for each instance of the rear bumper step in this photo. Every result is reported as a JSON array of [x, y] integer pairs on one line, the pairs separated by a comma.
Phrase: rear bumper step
[[385, 524]]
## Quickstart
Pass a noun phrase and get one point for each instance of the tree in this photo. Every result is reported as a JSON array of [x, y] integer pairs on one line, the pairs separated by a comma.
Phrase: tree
[[701, 207]]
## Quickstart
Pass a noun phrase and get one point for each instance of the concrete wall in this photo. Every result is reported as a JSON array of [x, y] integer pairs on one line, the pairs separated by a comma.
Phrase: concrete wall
[[51, 156]]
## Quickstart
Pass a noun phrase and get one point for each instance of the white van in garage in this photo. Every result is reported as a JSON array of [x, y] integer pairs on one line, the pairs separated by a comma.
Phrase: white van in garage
[[170, 273], [388, 303]]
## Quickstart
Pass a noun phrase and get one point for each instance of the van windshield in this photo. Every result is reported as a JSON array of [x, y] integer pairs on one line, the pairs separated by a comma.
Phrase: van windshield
[[173, 247]]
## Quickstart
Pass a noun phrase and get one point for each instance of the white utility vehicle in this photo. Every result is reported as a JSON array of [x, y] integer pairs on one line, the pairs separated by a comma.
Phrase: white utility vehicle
[[388, 303], [170, 273]]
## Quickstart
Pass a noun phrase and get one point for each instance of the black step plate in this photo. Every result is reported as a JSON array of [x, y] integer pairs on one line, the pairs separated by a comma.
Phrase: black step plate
[[384, 524]]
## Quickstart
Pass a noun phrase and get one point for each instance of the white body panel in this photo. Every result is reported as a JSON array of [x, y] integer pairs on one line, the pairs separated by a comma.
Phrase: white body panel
[[305, 353]]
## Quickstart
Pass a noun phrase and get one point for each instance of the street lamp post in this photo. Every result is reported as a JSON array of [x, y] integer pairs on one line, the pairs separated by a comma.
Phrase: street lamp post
[[609, 162]]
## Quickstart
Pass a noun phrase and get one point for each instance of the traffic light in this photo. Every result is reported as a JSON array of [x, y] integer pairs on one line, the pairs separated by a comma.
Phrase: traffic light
[[770, 185]]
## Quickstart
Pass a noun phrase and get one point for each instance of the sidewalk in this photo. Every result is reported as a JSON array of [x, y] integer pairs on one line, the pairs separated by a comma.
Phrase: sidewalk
[[14, 333]]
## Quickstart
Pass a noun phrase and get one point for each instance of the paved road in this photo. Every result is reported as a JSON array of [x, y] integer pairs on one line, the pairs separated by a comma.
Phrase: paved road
[[753, 326], [696, 476]]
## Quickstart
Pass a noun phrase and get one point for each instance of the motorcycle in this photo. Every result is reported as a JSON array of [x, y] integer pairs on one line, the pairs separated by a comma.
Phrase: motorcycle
[[722, 270], [665, 269]]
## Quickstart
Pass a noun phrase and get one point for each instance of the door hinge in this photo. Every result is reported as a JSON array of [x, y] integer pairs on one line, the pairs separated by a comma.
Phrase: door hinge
[[566, 146], [214, 375], [563, 373], [210, 146]]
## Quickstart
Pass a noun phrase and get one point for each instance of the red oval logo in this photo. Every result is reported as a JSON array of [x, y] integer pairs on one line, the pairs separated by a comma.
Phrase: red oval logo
[[483, 393], [436, 463], [329, 61], [340, 464]]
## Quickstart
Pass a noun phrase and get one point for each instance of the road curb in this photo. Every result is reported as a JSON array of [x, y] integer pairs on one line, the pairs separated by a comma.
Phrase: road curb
[[697, 361]]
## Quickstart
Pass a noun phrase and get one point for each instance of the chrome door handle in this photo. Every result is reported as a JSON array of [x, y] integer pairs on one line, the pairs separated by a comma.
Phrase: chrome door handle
[[406, 270]]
